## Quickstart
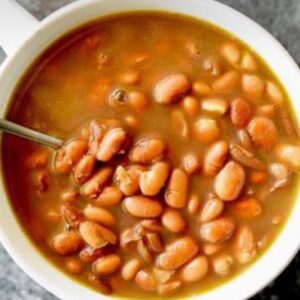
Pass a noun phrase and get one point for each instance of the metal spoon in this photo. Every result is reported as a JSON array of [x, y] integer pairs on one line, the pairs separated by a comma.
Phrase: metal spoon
[[30, 134]]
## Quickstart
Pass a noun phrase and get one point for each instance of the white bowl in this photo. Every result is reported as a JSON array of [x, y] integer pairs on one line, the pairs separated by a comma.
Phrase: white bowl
[[15, 26]]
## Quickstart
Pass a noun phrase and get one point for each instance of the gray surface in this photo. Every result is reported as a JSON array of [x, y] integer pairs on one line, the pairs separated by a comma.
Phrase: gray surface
[[282, 19]]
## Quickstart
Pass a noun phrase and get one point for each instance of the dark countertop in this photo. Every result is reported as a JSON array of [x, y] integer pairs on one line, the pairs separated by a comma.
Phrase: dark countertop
[[282, 19]]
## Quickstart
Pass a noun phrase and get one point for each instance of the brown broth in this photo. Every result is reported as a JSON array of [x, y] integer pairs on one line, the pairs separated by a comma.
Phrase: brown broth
[[57, 96]]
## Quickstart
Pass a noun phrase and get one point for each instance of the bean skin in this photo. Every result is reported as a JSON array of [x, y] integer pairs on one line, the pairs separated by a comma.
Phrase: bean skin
[[178, 253], [171, 88], [230, 181], [217, 231], [177, 189], [111, 144], [173, 220], [67, 243], [215, 158], [152, 181], [195, 270], [147, 150], [106, 265], [142, 207]]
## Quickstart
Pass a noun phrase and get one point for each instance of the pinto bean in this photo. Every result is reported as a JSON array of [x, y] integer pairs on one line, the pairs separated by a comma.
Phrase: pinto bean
[[70, 195], [163, 276], [89, 254], [152, 181], [190, 105], [274, 93], [142, 207], [169, 288], [106, 265], [144, 251], [100, 215], [191, 163], [279, 171], [244, 139], [38, 159], [240, 112], [132, 121], [245, 245], [231, 52], [93, 186], [177, 189], [227, 82], [154, 242], [213, 66], [201, 88], [127, 179], [258, 177], [263, 132], [211, 249], [130, 269], [217, 231], [193, 204], [138, 100], [130, 77], [222, 264], [180, 124], [214, 105], [129, 239], [178, 253], [253, 87], [211, 210], [245, 157], [171, 88], [173, 220], [111, 144], [101, 285], [95, 138], [289, 155], [84, 169], [73, 266], [230, 181], [267, 110], [215, 158], [96, 235], [147, 150], [69, 155], [110, 196], [207, 130], [195, 270], [67, 243], [146, 281], [249, 63], [151, 225], [248, 208], [71, 214]]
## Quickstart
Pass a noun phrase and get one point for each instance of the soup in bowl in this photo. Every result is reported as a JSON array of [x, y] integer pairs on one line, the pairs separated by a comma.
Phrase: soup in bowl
[[180, 144]]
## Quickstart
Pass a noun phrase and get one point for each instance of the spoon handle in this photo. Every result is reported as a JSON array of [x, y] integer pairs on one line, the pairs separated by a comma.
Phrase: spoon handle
[[30, 134]]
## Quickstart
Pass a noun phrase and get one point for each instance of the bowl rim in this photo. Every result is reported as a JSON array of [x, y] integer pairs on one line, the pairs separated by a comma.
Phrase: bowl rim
[[263, 270]]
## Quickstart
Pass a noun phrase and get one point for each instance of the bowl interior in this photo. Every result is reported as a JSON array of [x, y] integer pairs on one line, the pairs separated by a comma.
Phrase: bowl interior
[[16, 242]]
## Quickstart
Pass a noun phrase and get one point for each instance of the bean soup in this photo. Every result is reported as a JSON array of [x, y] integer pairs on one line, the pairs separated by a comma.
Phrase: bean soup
[[180, 159]]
